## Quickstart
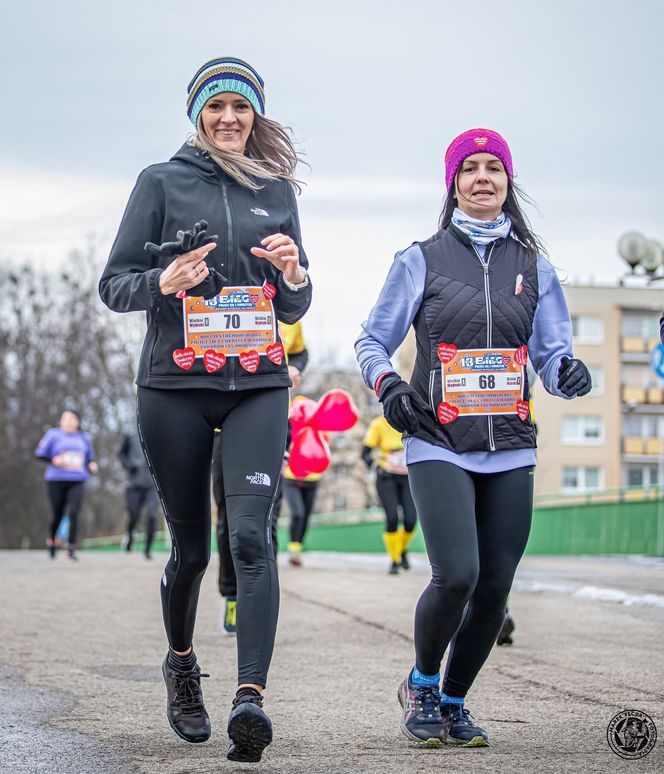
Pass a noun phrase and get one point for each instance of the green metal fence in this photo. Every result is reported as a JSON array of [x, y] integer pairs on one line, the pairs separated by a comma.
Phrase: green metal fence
[[622, 521]]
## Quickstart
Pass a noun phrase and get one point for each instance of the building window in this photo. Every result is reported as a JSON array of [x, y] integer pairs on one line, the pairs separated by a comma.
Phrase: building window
[[582, 479], [587, 329], [641, 324], [639, 375], [642, 475], [582, 429], [644, 426], [597, 375]]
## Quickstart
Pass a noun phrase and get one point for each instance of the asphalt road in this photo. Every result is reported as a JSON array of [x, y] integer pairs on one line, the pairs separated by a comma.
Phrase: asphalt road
[[81, 691]]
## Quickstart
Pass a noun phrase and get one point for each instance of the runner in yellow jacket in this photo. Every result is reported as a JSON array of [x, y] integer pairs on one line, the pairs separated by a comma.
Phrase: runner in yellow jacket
[[383, 450]]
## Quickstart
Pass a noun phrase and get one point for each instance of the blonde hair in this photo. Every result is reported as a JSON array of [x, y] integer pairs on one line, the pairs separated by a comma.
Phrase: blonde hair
[[269, 155]]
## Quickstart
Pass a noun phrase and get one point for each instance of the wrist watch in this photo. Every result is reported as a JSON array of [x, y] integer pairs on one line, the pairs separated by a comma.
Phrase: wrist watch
[[299, 285]]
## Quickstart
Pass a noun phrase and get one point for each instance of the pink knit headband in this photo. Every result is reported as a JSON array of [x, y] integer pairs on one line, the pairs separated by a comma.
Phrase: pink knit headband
[[476, 141]]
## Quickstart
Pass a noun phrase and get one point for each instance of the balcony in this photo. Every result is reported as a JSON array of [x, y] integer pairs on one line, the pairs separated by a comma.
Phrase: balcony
[[637, 349], [635, 446], [653, 396]]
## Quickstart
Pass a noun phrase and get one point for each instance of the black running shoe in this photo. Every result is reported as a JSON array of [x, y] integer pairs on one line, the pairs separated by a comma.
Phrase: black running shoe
[[184, 705], [394, 569], [421, 720], [505, 636], [249, 728], [405, 564], [460, 727]]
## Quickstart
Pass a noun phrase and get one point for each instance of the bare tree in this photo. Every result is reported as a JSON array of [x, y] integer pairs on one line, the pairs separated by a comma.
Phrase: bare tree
[[61, 348]]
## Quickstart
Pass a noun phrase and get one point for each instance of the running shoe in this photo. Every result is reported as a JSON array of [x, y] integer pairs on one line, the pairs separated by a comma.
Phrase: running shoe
[[421, 720], [71, 553], [52, 548], [394, 569], [249, 728], [505, 636], [184, 704], [460, 727], [229, 617], [295, 554], [405, 564]]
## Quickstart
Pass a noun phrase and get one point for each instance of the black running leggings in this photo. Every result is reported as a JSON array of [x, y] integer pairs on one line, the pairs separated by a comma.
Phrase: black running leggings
[[227, 578], [176, 429], [393, 491], [137, 498], [475, 528], [300, 496], [66, 499]]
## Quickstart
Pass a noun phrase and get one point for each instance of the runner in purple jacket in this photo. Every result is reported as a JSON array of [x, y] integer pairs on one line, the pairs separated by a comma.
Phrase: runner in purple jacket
[[71, 460]]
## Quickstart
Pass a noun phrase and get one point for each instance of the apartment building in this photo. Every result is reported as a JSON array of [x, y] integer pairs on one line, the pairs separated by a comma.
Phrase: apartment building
[[614, 436]]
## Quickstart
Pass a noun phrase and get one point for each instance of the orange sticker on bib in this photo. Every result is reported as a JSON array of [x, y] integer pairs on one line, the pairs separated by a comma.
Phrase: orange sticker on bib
[[238, 319], [482, 381]]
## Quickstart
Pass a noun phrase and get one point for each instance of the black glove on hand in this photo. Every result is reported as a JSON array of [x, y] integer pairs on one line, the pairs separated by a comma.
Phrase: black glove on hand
[[401, 404], [185, 242], [573, 377]]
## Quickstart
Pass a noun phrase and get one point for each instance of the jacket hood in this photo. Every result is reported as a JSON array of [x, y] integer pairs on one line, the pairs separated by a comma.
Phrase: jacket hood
[[201, 163]]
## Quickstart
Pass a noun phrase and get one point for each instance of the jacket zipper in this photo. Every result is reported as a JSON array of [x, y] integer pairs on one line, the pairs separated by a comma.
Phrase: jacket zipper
[[229, 242], [489, 325], [432, 376]]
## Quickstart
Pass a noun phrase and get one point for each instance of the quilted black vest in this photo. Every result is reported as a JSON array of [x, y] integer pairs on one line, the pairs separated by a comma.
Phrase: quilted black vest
[[471, 303]]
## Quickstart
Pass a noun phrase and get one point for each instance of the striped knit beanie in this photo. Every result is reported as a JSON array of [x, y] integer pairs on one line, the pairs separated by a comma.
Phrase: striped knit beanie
[[224, 74], [476, 141]]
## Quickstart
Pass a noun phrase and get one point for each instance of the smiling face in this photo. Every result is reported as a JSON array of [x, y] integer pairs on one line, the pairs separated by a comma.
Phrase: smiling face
[[481, 186], [227, 120]]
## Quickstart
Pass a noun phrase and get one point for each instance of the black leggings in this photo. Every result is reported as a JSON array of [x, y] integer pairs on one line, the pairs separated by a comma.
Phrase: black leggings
[[394, 491], [177, 429], [66, 499], [137, 498], [227, 578], [300, 496], [475, 528]]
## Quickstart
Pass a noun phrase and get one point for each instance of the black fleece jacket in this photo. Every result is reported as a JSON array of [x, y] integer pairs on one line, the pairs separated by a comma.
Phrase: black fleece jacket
[[172, 196]]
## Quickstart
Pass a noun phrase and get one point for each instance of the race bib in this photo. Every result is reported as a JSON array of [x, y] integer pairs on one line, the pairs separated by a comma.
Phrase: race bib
[[396, 462], [237, 321], [72, 460], [482, 381]]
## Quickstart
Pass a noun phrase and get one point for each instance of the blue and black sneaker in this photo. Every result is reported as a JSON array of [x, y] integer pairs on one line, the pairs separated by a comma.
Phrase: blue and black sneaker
[[460, 727], [421, 720]]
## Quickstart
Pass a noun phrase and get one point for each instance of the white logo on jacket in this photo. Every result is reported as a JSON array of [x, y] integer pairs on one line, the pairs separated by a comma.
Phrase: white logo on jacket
[[260, 479], [518, 288], [258, 211]]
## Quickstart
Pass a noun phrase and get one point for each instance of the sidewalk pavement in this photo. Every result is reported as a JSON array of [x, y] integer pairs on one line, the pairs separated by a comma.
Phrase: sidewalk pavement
[[81, 690]]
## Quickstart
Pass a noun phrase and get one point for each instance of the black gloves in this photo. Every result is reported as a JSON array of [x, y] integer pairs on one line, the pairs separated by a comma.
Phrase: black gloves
[[573, 377], [401, 404], [186, 241]]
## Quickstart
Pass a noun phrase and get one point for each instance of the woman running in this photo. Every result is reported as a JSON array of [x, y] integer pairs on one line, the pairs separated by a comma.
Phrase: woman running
[[383, 450], [71, 460], [212, 358], [482, 299]]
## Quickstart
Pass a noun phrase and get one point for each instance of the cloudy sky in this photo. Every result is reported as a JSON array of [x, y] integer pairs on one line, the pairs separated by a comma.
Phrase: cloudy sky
[[374, 91]]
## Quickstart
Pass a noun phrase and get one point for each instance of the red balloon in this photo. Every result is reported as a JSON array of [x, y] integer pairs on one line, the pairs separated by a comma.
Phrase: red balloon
[[300, 414], [335, 412], [309, 453]]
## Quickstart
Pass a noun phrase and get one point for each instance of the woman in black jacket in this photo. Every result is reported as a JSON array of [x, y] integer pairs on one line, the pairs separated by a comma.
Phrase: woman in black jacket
[[212, 358]]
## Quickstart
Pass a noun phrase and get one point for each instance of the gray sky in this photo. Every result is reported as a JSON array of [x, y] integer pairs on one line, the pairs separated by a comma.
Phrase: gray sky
[[374, 91]]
